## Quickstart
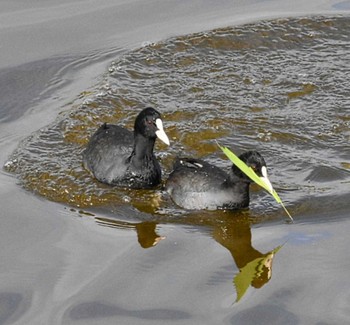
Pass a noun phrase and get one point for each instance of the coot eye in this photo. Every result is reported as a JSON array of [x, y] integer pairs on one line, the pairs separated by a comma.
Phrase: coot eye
[[151, 121]]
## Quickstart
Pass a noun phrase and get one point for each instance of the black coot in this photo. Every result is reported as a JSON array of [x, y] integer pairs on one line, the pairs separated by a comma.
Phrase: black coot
[[195, 184], [119, 157]]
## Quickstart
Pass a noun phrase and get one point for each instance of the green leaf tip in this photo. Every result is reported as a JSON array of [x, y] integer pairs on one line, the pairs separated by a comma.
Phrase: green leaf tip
[[253, 176]]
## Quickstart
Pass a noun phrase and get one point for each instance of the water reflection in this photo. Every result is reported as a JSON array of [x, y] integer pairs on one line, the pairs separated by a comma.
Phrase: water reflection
[[255, 268], [232, 231], [147, 235]]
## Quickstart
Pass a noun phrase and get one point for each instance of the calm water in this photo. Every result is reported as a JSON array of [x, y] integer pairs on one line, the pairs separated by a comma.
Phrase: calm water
[[278, 86]]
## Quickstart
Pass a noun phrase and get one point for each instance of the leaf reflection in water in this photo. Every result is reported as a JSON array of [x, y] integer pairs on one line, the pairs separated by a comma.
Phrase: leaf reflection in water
[[255, 268], [255, 273]]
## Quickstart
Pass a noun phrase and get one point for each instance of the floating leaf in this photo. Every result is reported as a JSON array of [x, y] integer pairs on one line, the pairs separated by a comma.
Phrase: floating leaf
[[253, 176]]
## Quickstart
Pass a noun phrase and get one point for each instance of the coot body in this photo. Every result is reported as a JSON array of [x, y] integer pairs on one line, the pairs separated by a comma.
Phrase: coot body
[[119, 157], [195, 184]]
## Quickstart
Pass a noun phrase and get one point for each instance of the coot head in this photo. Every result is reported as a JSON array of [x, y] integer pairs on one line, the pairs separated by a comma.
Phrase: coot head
[[257, 162], [149, 124]]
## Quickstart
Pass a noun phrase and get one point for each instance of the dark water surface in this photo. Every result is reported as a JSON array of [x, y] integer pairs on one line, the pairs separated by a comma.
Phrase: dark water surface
[[75, 251]]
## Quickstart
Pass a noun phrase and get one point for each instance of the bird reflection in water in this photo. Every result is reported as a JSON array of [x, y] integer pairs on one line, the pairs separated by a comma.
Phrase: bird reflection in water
[[146, 231], [255, 268], [232, 232]]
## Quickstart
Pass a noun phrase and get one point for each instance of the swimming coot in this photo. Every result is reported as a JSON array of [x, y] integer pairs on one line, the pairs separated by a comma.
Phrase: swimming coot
[[195, 184], [119, 157]]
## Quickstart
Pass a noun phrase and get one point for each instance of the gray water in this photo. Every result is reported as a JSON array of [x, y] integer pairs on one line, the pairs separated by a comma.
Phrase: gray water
[[77, 252]]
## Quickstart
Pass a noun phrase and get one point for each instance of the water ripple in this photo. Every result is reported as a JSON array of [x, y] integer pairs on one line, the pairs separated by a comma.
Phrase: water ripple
[[278, 86]]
